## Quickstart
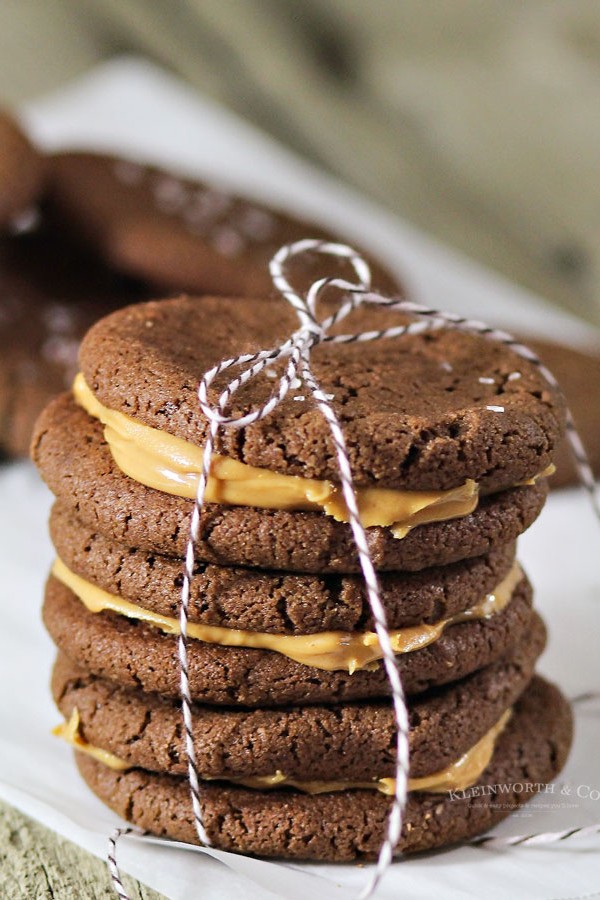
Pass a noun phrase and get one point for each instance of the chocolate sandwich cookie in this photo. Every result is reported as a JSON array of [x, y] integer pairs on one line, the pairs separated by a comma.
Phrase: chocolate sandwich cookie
[[349, 824], [424, 412], [22, 172], [425, 441], [134, 654], [75, 460], [272, 601], [51, 291], [179, 233], [352, 741]]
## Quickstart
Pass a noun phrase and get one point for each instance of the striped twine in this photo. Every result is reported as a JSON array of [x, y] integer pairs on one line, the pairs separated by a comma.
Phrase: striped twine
[[112, 862], [296, 350], [538, 839]]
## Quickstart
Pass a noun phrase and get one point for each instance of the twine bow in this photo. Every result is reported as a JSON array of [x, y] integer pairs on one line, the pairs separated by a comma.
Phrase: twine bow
[[297, 351]]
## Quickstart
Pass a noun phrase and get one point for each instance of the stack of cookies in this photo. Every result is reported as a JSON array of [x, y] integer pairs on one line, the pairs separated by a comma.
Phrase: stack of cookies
[[450, 438]]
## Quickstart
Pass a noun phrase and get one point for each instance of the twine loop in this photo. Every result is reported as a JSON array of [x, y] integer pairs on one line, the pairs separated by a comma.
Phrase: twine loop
[[297, 347]]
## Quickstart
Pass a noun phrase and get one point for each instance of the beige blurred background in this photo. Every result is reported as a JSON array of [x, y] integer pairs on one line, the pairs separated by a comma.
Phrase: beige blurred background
[[478, 120]]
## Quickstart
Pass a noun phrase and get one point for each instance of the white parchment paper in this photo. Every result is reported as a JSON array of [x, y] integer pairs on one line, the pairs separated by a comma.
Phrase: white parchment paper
[[133, 107]]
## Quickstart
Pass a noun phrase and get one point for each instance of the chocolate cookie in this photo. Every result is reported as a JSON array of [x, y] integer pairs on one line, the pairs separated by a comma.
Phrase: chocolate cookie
[[22, 171], [348, 825], [175, 232], [74, 460], [422, 412], [51, 291], [133, 654], [352, 741], [274, 602]]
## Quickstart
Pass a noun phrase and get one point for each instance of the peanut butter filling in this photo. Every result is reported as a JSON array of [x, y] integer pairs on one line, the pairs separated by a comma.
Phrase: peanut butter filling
[[456, 777], [69, 732], [170, 464], [328, 650]]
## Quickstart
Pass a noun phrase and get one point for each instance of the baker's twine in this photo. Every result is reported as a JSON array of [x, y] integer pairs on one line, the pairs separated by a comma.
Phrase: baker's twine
[[311, 332], [111, 860]]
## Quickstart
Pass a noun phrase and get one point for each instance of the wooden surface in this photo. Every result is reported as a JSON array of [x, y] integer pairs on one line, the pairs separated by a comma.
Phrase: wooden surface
[[36, 864]]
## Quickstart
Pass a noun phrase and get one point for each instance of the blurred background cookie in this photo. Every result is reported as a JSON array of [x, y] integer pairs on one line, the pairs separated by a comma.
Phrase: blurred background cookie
[[177, 233], [51, 291], [22, 171]]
